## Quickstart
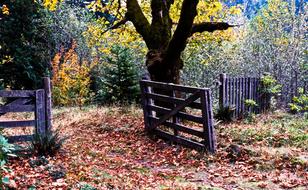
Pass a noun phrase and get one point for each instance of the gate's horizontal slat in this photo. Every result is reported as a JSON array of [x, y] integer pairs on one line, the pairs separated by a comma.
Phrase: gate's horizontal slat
[[17, 93], [183, 115], [179, 127], [16, 108], [12, 124], [169, 86], [179, 140], [173, 100], [20, 138]]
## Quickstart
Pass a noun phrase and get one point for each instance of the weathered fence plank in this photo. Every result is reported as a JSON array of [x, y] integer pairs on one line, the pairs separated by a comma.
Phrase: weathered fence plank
[[178, 108], [208, 127], [179, 140], [235, 90], [145, 103], [12, 124], [20, 138], [47, 88], [175, 116], [37, 101], [40, 113], [17, 93], [16, 108], [172, 100], [180, 114]]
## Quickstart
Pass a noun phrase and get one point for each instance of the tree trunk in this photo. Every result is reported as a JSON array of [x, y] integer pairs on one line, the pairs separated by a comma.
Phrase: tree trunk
[[162, 68]]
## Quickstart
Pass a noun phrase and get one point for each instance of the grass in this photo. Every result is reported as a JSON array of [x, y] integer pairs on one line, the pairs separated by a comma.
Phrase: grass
[[280, 129]]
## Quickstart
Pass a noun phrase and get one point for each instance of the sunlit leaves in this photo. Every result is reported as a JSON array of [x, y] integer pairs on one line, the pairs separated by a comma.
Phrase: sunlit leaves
[[71, 78], [51, 4], [5, 10]]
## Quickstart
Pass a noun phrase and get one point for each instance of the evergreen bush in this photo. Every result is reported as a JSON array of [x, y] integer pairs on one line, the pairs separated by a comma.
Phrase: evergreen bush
[[116, 80]]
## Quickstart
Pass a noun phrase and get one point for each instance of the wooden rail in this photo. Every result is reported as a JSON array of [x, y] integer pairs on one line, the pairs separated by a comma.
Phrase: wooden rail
[[168, 108], [36, 101]]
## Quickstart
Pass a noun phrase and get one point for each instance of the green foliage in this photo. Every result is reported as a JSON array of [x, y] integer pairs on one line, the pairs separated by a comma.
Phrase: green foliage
[[273, 41], [117, 78], [249, 116], [276, 131], [47, 144], [269, 85], [250, 103], [25, 45], [225, 114], [87, 187], [6, 150], [300, 103]]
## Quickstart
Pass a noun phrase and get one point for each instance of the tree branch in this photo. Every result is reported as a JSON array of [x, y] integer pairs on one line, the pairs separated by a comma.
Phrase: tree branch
[[183, 30], [161, 23], [116, 26], [136, 16], [210, 27]]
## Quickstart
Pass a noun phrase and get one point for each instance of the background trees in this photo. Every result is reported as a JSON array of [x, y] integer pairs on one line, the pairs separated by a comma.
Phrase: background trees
[[26, 45], [271, 39]]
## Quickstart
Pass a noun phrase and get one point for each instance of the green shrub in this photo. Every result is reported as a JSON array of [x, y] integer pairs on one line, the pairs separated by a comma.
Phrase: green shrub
[[300, 103], [6, 150], [117, 80], [47, 144], [270, 85], [250, 103], [225, 114], [249, 116]]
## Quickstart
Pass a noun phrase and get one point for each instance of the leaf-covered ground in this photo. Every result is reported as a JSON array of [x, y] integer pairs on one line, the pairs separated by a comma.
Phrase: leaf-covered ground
[[108, 149]]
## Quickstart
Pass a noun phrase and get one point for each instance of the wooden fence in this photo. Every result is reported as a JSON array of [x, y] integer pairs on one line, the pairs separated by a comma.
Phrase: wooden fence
[[234, 91], [169, 120], [36, 101]]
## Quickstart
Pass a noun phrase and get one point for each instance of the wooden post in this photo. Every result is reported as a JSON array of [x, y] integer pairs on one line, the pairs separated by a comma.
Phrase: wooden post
[[223, 90], [208, 126], [145, 102], [175, 119], [48, 104], [40, 115]]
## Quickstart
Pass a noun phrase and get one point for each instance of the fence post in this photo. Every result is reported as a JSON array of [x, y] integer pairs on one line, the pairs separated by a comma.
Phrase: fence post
[[175, 119], [222, 90], [145, 103], [208, 126], [40, 114], [48, 106]]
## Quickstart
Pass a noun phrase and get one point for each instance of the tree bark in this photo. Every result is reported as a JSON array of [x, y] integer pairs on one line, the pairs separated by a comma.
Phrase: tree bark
[[163, 59]]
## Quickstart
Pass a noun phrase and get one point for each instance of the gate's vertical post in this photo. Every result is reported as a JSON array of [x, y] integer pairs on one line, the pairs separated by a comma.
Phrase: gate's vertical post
[[48, 104], [208, 124], [223, 91], [145, 103], [175, 119], [40, 115]]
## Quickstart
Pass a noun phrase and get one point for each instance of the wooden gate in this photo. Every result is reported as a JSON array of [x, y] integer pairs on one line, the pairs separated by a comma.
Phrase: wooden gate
[[36, 101], [235, 90], [183, 106]]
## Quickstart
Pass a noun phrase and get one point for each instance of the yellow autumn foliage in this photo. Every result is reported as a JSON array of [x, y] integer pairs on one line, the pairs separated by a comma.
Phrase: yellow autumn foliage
[[5, 10], [126, 36], [51, 4], [71, 79]]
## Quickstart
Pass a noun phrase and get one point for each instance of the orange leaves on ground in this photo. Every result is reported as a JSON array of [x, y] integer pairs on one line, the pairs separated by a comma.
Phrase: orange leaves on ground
[[108, 149]]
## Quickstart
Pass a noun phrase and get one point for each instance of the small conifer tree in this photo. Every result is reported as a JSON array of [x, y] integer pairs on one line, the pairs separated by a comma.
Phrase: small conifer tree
[[119, 80]]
